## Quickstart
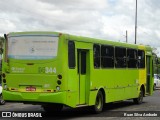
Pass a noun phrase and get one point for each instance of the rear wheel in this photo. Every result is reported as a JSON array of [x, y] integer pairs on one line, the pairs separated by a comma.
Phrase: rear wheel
[[139, 100], [98, 107]]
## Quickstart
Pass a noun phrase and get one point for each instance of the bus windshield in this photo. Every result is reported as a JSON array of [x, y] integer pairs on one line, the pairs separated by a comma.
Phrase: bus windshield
[[32, 47]]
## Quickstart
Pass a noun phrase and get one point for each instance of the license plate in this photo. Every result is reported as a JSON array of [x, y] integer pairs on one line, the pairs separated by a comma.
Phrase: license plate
[[30, 88]]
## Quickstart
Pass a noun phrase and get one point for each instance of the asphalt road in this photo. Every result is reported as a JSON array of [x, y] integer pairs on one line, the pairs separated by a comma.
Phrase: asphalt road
[[123, 110]]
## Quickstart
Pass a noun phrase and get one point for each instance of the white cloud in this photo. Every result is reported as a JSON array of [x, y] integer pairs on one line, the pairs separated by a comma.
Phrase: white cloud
[[108, 19]]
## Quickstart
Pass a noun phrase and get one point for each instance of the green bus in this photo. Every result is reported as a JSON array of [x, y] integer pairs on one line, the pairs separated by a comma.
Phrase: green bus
[[54, 69]]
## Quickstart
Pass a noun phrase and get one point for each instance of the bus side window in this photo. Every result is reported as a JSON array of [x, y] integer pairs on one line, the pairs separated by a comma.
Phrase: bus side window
[[96, 52], [71, 54], [107, 56], [120, 57], [132, 58], [141, 59]]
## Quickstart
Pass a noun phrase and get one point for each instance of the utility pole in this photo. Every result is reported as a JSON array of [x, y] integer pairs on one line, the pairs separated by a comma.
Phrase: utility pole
[[136, 24], [126, 37]]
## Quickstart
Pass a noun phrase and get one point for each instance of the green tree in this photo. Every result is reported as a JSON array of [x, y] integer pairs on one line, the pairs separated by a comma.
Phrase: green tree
[[156, 61], [158, 65], [1, 44]]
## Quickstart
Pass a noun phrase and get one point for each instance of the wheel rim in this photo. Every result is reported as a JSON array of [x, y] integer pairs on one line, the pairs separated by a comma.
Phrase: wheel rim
[[2, 102], [98, 102]]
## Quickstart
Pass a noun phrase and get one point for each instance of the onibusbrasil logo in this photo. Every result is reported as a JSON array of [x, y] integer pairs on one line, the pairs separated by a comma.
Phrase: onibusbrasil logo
[[21, 114]]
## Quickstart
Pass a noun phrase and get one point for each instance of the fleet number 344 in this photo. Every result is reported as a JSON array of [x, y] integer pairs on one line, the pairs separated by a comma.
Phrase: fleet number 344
[[47, 70]]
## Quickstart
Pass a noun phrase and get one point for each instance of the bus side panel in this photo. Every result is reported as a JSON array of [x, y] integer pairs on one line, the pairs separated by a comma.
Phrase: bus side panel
[[92, 97], [72, 92], [131, 83], [119, 84], [142, 78]]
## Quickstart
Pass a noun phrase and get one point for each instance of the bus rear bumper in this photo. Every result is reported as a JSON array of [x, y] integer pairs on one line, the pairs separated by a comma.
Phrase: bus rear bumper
[[57, 97]]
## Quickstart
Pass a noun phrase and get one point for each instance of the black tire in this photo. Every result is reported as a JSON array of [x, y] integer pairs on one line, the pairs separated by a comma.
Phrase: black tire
[[52, 107], [2, 102], [139, 100], [99, 103]]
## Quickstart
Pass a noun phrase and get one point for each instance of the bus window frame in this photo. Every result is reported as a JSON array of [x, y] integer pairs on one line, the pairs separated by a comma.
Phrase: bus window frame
[[131, 58], [71, 59], [105, 57], [97, 65], [141, 65], [124, 58]]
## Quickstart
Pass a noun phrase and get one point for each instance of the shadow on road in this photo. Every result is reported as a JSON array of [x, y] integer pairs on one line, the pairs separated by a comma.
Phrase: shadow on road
[[109, 110]]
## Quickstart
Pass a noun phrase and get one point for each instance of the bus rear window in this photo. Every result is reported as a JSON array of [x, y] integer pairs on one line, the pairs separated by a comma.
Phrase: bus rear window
[[32, 47]]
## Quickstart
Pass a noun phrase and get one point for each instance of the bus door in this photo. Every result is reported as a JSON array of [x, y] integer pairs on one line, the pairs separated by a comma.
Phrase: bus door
[[149, 74], [82, 70]]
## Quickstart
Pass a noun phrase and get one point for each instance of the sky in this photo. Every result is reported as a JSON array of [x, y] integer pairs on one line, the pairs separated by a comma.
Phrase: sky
[[104, 19]]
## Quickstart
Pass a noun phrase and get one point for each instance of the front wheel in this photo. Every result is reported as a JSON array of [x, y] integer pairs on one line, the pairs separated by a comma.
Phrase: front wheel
[[98, 107], [139, 100], [2, 102]]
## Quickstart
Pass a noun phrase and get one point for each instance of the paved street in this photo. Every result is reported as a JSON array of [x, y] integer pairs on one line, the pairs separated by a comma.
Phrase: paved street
[[114, 110]]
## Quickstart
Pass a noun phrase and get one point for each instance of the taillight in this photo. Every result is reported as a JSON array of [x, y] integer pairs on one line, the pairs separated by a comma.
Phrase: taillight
[[58, 82], [4, 80], [3, 75], [59, 76]]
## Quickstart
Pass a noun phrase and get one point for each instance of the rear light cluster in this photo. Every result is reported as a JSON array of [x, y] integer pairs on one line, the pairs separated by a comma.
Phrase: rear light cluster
[[4, 77], [59, 79], [59, 82], [4, 81]]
